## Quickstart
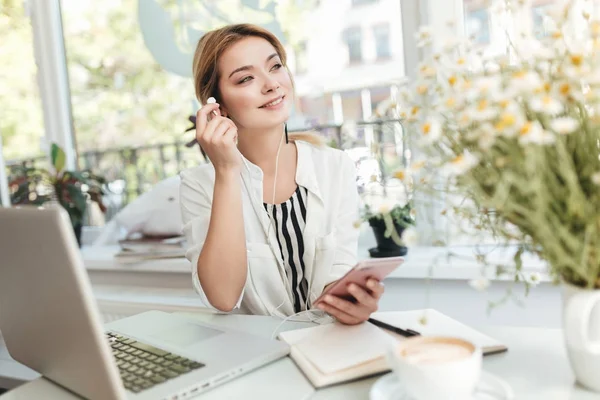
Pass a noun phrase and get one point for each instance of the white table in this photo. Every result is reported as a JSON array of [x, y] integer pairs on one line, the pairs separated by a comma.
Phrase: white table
[[536, 367]]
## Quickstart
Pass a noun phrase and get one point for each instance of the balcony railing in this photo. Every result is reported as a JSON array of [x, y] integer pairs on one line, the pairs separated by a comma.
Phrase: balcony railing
[[131, 171]]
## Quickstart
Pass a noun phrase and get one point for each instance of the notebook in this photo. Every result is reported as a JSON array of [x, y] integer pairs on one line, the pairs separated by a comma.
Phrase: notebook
[[335, 353], [147, 248]]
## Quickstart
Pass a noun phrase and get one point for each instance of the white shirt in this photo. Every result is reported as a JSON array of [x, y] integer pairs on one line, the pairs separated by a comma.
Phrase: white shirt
[[330, 239]]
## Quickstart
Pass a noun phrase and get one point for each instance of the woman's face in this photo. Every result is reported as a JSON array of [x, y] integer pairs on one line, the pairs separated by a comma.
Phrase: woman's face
[[256, 89]]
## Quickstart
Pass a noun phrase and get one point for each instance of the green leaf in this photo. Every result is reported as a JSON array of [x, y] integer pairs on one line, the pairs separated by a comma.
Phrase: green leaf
[[77, 198], [58, 157]]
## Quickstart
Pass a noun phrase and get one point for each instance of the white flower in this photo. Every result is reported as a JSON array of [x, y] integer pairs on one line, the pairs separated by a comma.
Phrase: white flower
[[564, 125], [461, 164], [482, 111], [492, 67], [487, 136], [427, 71], [410, 237], [423, 36], [386, 206], [593, 78], [596, 178], [532, 48], [558, 12], [416, 166], [488, 84], [532, 132], [479, 284], [525, 82], [576, 72], [452, 102], [511, 118], [465, 118], [430, 130], [450, 44], [546, 104], [534, 278]]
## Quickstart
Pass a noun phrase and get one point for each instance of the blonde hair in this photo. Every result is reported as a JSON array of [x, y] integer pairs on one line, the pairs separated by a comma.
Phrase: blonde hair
[[206, 57]]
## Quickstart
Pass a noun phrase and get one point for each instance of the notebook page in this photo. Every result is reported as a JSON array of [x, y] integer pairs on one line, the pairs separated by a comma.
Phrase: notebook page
[[335, 347]]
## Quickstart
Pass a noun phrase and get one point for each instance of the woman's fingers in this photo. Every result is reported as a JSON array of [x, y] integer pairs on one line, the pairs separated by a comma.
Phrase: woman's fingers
[[363, 297], [340, 315], [356, 310], [230, 135], [348, 312], [202, 118], [376, 288], [218, 133], [212, 130]]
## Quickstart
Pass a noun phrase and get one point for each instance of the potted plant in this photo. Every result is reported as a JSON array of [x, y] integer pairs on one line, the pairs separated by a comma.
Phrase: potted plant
[[517, 139], [388, 227], [71, 189]]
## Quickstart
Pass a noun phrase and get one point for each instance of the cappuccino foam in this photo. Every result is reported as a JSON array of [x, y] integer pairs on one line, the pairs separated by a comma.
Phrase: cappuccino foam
[[431, 353]]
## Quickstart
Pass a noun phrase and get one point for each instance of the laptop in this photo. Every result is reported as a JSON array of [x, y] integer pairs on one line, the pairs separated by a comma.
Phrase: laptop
[[51, 323]]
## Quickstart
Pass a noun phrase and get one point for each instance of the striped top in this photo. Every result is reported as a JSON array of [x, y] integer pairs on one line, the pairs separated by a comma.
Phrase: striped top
[[289, 219]]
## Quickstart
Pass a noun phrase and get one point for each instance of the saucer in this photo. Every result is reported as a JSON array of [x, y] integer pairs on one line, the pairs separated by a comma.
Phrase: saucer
[[490, 387]]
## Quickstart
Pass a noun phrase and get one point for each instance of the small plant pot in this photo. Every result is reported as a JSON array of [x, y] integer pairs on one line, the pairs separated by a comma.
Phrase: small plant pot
[[386, 247]]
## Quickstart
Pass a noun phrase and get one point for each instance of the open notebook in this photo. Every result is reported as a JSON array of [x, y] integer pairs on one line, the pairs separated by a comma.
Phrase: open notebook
[[335, 353]]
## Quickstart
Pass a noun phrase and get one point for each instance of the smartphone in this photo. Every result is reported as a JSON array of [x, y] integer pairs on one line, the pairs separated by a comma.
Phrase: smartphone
[[377, 268]]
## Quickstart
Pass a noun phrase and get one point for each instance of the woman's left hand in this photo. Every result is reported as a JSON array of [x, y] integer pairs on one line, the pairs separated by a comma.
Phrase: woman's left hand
[[350, 313]]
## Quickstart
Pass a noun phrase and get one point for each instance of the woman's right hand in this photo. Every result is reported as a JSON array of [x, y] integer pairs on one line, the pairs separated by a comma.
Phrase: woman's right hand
[[218, 135]]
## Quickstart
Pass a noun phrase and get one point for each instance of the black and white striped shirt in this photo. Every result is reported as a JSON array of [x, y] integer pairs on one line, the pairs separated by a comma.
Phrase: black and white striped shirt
[[289, 219]]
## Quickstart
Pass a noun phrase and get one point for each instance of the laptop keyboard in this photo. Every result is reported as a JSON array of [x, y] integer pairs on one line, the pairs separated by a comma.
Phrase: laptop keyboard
[[143, 366]]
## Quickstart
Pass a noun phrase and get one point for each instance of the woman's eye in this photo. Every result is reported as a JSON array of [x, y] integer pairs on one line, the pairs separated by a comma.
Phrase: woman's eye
[[246, 79], [276, 66]]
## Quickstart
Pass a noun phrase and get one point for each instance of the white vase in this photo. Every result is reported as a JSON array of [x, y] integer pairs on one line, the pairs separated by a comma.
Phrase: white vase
[[581, 323]]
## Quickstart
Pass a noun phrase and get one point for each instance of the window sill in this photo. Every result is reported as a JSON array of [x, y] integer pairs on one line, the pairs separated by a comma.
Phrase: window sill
[[459, 263], [420, 263]]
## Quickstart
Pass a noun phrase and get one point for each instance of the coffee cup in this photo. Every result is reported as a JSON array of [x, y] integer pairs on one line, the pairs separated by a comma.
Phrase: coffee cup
[[437, 368]]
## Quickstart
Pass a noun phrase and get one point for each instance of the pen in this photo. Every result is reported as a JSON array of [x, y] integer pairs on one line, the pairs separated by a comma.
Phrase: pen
[[395, 329]]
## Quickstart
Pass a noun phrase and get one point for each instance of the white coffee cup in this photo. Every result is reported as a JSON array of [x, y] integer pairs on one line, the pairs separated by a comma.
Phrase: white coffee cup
[[437, 368]]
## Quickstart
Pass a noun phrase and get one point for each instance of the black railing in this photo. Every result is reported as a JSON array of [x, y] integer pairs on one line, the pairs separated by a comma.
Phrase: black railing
[[131, 171]]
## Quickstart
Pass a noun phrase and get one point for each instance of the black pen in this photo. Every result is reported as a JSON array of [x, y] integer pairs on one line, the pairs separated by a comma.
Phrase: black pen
[[395, 329]]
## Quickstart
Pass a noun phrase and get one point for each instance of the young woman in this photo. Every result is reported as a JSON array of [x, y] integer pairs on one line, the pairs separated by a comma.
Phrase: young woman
[[270, 220]]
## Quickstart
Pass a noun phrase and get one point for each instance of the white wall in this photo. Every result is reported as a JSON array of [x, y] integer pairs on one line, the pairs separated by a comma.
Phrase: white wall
[[328, 69], [542, 308]]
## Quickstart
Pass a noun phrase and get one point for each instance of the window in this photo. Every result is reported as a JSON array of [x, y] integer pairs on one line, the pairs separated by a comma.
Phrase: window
[[541, 22], [382, 41], [353, 40], [132, 94], [361, 2], [477, 25]]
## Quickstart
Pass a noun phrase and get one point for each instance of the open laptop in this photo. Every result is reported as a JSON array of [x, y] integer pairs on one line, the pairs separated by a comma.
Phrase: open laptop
[[51, 323]]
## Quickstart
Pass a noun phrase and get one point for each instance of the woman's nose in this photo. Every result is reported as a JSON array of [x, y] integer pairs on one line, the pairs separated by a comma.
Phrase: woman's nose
[[271, 85]]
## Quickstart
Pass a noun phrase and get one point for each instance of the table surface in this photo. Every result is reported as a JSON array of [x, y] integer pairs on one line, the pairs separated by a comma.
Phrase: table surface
[[536, 366]]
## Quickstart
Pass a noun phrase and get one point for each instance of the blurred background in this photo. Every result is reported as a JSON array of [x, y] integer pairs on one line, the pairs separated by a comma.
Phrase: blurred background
[[110, 81]]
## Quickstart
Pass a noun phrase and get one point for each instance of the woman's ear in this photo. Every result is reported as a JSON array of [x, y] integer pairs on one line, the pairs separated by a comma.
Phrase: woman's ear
[[223, 110]]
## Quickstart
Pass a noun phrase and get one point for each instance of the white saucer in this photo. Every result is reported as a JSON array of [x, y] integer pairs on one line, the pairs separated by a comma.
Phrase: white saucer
[[490, 387]]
